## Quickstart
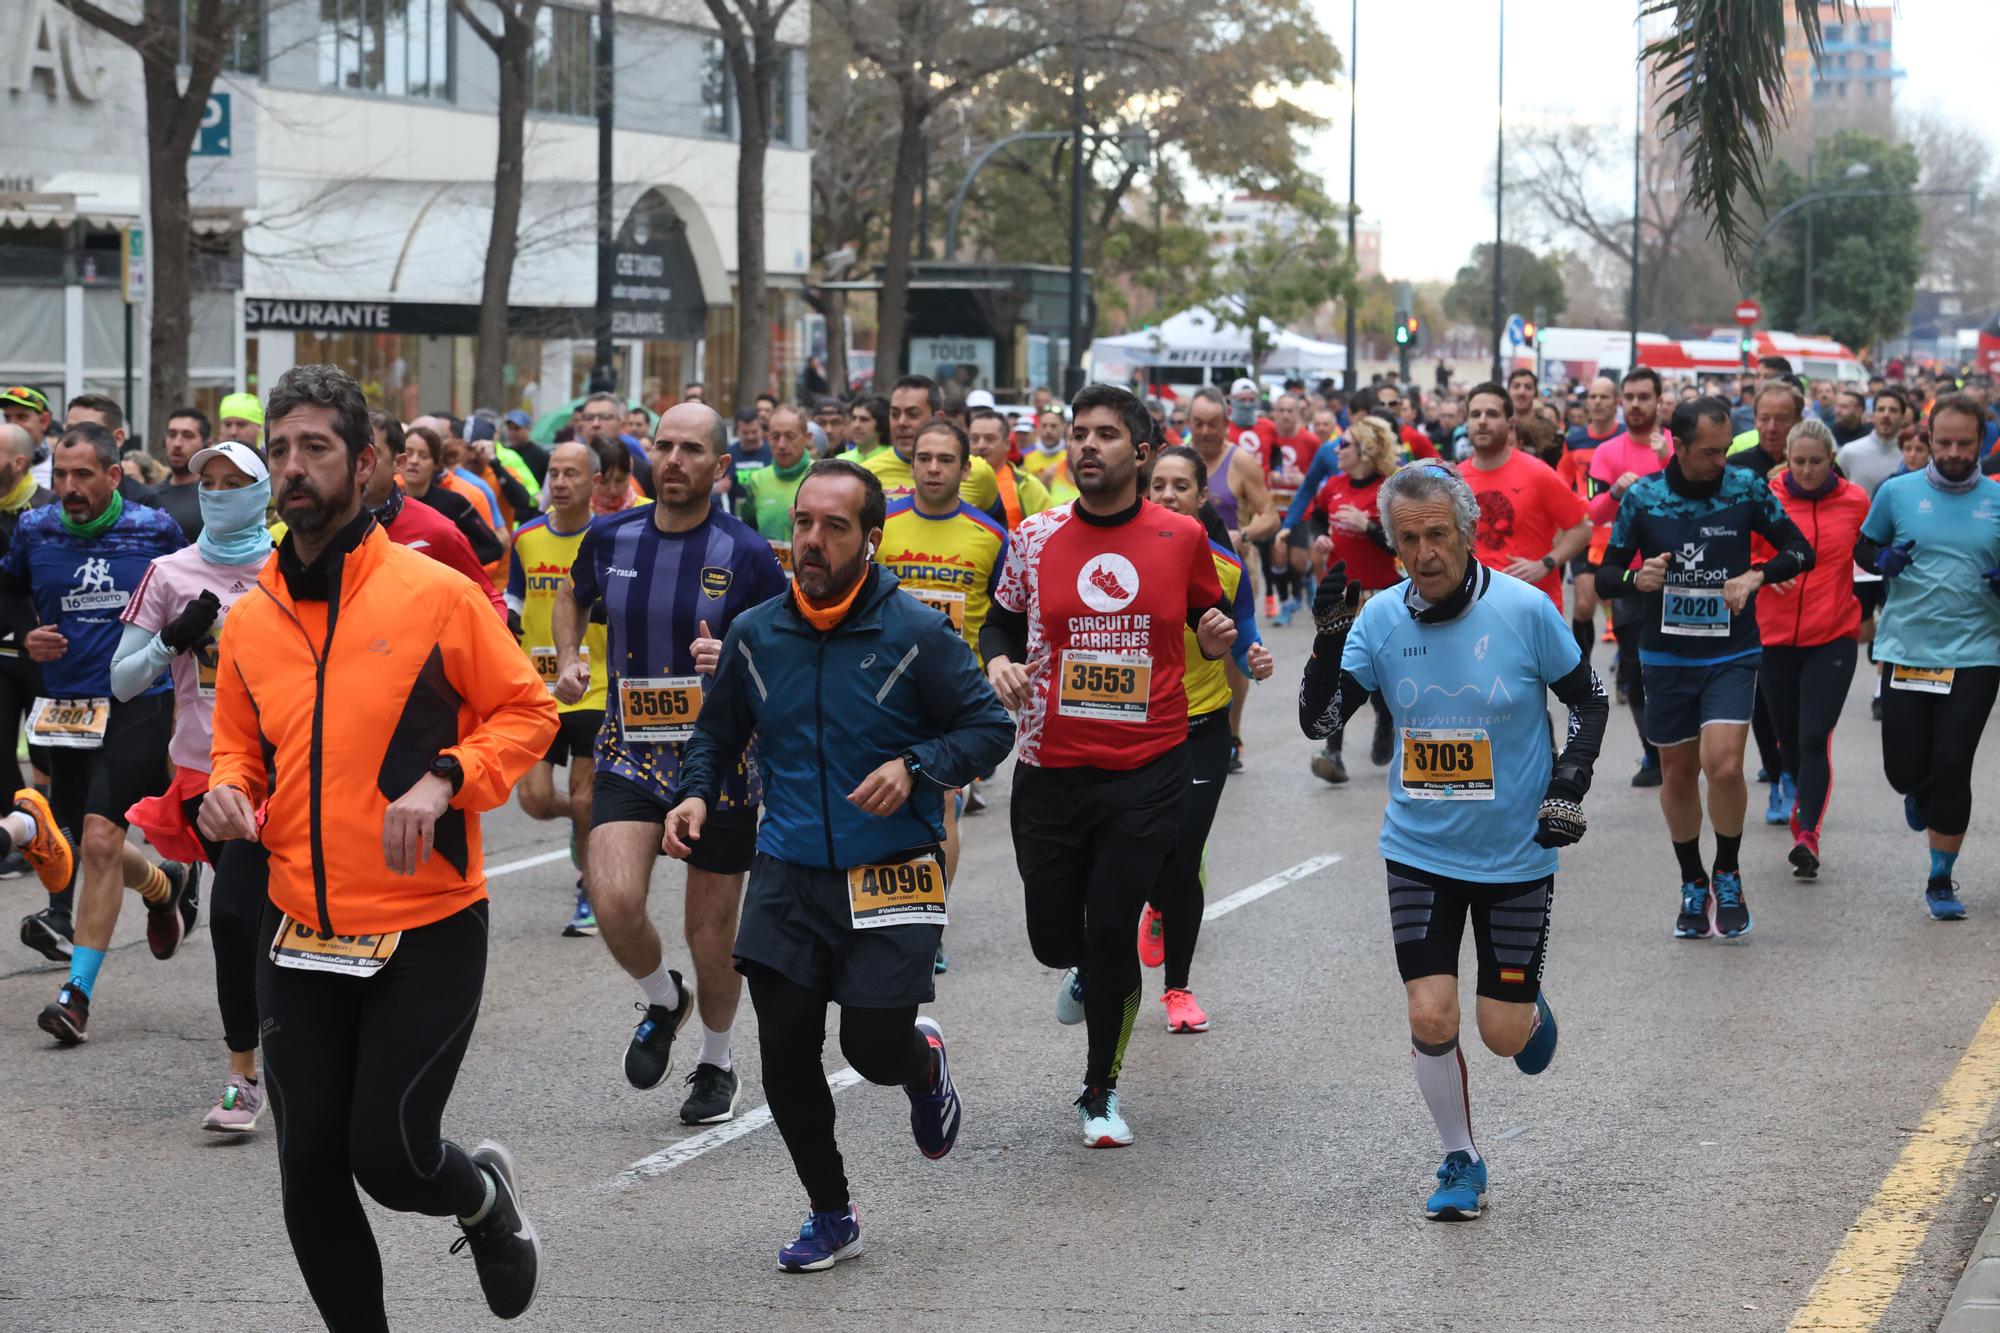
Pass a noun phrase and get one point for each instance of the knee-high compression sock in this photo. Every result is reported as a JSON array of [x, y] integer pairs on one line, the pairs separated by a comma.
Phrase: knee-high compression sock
[[1441, 1079], [1942, 863], [1689, 855]]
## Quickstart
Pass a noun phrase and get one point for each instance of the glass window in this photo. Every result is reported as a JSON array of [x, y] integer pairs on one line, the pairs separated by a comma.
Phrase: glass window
[[243, 53], [401, 48], [564, 59], [781, 100], [1832, 31], [717, 106], [1863, 34]]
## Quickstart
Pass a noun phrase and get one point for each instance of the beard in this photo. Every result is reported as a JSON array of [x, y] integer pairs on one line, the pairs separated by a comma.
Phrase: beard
[[822, 582], [1110, 478], [322, 511], [1955, 469]]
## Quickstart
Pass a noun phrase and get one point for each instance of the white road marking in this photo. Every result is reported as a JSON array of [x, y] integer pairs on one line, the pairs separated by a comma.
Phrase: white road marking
[[527, 863], [687, 1149]]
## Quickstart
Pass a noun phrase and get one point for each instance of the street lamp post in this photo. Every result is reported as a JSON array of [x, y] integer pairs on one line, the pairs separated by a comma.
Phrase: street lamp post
[[1073, 364], [1499, 162], [1805, 200], [603, 378], [1855, 171], [1351, 376]]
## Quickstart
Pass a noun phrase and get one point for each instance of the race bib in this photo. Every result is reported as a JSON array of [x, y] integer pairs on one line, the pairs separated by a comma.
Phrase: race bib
[[546, 666], [1698, 612], [299, 946], [206, 657], [783, 550], [901, 893], [658, 710], [1922, 680], [69, 724], [1111, 687], [1447, 764], [951, 602]]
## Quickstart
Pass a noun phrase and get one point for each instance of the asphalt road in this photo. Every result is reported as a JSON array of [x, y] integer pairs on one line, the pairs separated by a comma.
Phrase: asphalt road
[[1718, 1117]]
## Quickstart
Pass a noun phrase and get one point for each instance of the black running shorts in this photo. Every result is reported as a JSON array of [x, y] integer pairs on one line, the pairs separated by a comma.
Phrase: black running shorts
[[1510, 929]]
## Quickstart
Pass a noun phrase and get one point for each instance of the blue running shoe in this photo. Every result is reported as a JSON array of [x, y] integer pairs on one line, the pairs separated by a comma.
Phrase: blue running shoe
[[1541, 1048], [1941, 898], [1286, 610], [939, 962], [935, 1111], [1069, 998], [1784, 796], [823, 1241], [1692, 923], [1732, 913], [1461, 1190], [1103, 1126], [582, 918], [1913, 813]]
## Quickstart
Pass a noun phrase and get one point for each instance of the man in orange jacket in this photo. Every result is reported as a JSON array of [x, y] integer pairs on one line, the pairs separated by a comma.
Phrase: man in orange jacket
[[358, 668]]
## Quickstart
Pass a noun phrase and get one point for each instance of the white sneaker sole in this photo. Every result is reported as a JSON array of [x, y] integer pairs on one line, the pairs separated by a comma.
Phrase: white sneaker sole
[[851, 1250]]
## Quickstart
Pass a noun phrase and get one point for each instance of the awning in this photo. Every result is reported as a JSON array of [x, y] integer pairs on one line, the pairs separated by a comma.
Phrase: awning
[[104, 199]]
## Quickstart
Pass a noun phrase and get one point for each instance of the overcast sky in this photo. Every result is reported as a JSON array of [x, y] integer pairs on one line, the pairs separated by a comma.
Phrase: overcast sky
[[1426, 89]]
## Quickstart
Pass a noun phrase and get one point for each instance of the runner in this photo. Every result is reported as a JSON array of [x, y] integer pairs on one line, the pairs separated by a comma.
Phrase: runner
[[1084, 642], [1478, 808], [1171, 923], [171, 625], [80, 560], [1347, 506], [1020, 494], [545, 550], [615, 490], [1779, 406], [188, 433], [914, 401], [831, 418], [20, 675], [672, 577], [1691, 526], [1600, 423], [1048, 461], [420, 464], [1868, 462], [417, 526], [867, 429], [1808, 629], [1530, 524], [867, 709], [767, 491], [370, 983], [239, 417], [1934, 536]]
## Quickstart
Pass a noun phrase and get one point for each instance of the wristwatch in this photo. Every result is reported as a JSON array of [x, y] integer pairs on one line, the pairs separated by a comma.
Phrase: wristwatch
[[448, 768], [1549, 563], [913, 764]]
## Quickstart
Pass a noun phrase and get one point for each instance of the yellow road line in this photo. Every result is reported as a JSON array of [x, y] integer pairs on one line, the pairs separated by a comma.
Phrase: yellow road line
[[1857, 1286]]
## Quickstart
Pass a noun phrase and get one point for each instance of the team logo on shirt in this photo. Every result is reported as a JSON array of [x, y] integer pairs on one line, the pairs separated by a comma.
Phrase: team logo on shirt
[[1107, 582], [94, 590], [715, 580]]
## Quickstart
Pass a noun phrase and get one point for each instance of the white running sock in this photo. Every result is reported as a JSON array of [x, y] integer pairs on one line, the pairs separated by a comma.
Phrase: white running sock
[[1441, 1078], [19, 827], [660, 988], [714, 1047]]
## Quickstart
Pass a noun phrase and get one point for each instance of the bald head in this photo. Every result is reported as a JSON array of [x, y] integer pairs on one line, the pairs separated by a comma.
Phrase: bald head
[[577, 454], [684, 419], [17, 454], [572, 471]]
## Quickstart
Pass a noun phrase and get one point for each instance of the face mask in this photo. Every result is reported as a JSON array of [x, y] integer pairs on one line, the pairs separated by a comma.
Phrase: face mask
[[1243, 414], [232, 524]]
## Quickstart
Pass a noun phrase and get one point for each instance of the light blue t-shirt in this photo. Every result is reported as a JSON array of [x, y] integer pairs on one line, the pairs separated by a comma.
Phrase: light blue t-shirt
[[1939, 612], [1469, 699]]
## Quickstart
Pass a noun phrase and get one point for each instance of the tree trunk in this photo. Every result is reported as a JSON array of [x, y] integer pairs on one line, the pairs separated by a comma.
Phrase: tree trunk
[[834, 306], [503, 240], [753, 287], [893, 316], [170, 133]]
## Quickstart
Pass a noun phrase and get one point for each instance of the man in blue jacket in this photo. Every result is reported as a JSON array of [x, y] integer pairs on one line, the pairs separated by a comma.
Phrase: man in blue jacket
[[869, 709]]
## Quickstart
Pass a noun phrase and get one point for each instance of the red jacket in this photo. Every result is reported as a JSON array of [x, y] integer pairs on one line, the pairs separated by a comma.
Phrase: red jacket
[[1818, 606], [422, 528]]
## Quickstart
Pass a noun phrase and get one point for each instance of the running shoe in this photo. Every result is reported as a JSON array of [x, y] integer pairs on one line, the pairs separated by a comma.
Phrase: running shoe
[[582, 917], [1875, 708], [975, 804], [505, 1248], [1103, 1127], [1913, 813], [1541, 1048], [1805, 857], [1692, 923], [712, 1095], [1235, 754], [14, 866], [1270, 606], [238, 1109], [49, 851], [1183, 1014], [1784, 799], [1763, 775], [823, 1241], [1732, 913], [1152, 937], [935, 1111], [48, 932], [1648, 774], [651, 1052], [940, 964], [1286, 610], [1461, 1191], [1069, 998], [67, 1017], [169, 920], [1328, 766], [1383, 748], [1941, 900]]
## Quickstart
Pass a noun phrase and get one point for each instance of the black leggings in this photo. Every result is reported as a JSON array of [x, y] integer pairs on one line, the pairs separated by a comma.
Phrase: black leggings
[[1089, 844], [241, 874], [1805, 688], [1928, 741], [1179, 893], [883, 1046], [1765, 731], [1628, 618], [359, 1071], [20, 682]]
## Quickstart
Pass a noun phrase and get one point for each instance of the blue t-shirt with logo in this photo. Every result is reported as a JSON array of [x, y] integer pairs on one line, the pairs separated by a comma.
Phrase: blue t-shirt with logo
[[1469, 699], [1939, 612], [81, 585]]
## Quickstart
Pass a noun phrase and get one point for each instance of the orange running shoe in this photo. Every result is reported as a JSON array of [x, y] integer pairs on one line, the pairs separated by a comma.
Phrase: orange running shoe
[[1183, 1014], [1152, 937], [49, 851]]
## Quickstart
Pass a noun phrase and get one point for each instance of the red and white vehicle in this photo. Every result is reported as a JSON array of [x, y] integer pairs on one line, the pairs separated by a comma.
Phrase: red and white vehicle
[[1584, 353]]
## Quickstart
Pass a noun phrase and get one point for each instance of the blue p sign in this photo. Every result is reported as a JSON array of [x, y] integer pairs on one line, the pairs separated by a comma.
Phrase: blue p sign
[[212, 139]]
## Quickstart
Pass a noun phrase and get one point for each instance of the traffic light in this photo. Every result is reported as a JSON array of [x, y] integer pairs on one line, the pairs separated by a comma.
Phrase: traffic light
[[1530, 333], [1748, 343], [1406, 327]]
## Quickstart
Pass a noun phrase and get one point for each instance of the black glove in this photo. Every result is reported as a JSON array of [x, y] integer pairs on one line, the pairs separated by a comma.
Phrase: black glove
[[514, 622], [1560, 822], [1337, 601], [192, 625]]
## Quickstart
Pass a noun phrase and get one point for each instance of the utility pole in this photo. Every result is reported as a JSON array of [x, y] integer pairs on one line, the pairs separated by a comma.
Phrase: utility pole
[[1638, 148], [1352, 376], [1073, 366], [603, 375], [1499, 163]]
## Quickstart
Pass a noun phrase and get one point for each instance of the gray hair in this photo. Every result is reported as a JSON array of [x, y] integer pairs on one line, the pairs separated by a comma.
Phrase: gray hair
[[1811, 428], [98, 439], [1208, 393], [329, 387], [1432, 480]]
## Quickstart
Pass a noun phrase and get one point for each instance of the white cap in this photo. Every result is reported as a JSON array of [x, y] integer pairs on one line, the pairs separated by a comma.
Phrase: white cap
[[1024, 424], [242, 455], [1242, 386], [979, 398]]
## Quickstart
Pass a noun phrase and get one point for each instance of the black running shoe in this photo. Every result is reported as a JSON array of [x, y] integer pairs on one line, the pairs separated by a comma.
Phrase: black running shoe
[[67, 1017], [190, 896], [169, 920], [1328, 766], [505, 1248], [1805, 861], [48, 933], [1383, 748], [651, 1052], [712, 1093], [14, 865]]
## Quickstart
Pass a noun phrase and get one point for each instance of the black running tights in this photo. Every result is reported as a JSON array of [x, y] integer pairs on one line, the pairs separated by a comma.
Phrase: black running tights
[[1179, 895], [359, 1071], [1805, 688], [240, 874], [1627, 620], [1928, 741]]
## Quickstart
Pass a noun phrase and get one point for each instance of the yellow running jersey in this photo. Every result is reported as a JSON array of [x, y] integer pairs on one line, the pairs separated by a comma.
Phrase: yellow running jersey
[[951, 562], [1207, 683], [536, 572], [1051, 468], [979, 489]]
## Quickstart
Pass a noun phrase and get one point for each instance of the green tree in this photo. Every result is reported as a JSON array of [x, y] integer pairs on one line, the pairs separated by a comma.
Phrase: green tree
[[1527, 282], [1281, 276], [1867, 251]]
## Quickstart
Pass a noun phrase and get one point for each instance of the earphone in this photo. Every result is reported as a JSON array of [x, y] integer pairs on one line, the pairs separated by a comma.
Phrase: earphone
[[871, 551]]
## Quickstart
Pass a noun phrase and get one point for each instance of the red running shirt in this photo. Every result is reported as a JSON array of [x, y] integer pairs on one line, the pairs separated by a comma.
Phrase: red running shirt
[[1368, 565], [1523, 508], [1106, 609]]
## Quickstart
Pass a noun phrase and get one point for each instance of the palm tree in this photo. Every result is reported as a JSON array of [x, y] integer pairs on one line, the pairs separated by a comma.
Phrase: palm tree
[[1722, 65]]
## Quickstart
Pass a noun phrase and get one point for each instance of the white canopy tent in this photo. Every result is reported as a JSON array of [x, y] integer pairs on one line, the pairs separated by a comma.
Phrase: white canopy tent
[[1195, 340]]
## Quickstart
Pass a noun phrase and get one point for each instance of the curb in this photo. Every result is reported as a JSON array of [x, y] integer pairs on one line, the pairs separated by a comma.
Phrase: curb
[[1975, 1303]]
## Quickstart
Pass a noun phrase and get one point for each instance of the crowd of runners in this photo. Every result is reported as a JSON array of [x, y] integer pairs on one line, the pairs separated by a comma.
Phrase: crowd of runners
[[787, 648]]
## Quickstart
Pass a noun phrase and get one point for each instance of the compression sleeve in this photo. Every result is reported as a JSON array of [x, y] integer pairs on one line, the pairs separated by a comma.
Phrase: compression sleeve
[[1328, 694], [1613, 573], [137, 662], [1583, 694], [1867, 551], [1005, 634]]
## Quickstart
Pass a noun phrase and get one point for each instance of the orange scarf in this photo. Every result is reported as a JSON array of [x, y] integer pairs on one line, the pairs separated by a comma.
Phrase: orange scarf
[[825, 618]]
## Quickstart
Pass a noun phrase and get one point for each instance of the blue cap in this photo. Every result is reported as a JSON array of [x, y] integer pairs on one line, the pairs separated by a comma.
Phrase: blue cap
[[518, 418]]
